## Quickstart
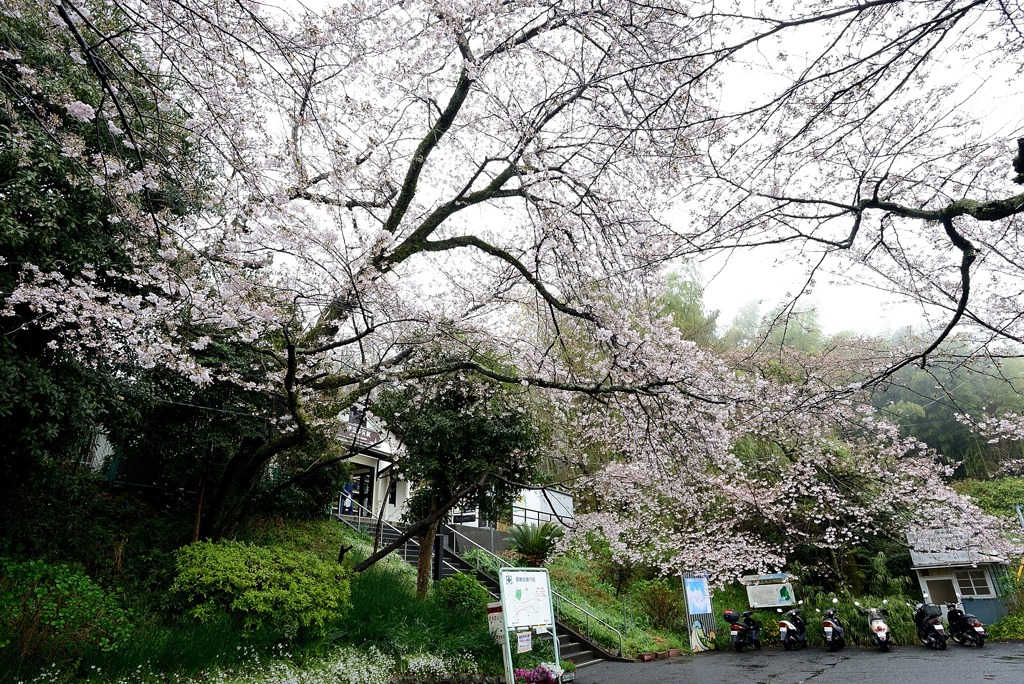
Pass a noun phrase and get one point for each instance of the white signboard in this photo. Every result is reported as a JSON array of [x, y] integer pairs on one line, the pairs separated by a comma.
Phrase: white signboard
[[495, 619], [524, 642], [526, 598], [770, 595]]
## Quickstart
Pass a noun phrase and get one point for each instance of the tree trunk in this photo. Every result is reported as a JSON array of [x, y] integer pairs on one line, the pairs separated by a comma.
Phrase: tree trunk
[[417, 528], [424, 565]]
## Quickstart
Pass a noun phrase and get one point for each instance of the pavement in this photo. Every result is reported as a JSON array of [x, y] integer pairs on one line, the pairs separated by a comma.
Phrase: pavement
[[997, 662]]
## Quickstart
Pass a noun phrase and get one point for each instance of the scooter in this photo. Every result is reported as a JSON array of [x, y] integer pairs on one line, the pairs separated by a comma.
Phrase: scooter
[[835, 635], [744, 629], [877, 627], [792, 630], [964, 628], [928, 620]]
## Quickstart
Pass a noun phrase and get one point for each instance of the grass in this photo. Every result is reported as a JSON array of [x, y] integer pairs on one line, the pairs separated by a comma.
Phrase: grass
[[578, 580]]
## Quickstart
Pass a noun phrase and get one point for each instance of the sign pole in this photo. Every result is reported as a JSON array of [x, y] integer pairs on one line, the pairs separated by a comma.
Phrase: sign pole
[[528, 606]]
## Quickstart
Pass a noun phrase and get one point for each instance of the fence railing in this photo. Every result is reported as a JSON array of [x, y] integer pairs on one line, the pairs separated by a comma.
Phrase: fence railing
[[583, 617], [531, 516]]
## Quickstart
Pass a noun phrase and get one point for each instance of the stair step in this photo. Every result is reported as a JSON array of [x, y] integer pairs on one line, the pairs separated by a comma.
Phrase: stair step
[[589, 662]]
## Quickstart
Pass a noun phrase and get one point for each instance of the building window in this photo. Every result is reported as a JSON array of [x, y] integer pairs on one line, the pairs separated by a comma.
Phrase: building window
[[973, 582]]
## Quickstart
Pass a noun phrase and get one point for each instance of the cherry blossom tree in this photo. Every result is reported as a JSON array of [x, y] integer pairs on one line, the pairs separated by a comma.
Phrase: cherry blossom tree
[[393, 178]]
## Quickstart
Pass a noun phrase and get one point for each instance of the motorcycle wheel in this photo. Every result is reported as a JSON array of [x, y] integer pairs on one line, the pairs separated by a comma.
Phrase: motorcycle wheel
[[883, 647], [981, 643], [738, 646], [757, 645], [787, 645], [942, 645]]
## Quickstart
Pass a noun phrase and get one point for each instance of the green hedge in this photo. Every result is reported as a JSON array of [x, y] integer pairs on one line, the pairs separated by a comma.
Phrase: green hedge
[[260, 587], [56, 613]]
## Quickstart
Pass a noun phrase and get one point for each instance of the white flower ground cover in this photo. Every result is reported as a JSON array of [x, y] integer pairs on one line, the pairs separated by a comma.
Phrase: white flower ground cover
[[348, 665]]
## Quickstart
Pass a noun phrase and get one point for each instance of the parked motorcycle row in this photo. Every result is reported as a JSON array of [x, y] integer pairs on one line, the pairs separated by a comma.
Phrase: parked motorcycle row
[[964, 628]]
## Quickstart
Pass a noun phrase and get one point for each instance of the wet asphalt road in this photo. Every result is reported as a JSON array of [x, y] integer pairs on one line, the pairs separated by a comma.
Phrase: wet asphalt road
[[996, 662]]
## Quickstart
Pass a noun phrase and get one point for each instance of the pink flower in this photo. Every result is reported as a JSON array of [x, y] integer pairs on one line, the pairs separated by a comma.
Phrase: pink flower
[[81, 111]]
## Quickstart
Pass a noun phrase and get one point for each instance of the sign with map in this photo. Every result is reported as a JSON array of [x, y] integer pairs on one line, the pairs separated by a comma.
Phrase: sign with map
[[526, 598], [770, 595]]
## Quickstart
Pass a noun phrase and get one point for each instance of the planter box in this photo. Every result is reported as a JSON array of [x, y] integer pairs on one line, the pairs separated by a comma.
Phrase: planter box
[[675, 652], [661, 655], [645, 657]]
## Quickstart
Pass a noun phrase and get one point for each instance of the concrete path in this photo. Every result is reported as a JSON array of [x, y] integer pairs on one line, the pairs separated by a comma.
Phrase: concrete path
[[996, 662]]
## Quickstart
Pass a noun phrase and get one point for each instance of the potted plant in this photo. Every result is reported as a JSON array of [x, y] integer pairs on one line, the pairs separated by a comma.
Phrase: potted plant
[[544, 673]]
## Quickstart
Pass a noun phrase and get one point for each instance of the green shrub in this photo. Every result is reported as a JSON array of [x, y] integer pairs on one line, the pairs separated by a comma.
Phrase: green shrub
[[662, 602], [387, 615], [1009, 627], [462, 596], [260, 587], [534, 543], [56, 613]]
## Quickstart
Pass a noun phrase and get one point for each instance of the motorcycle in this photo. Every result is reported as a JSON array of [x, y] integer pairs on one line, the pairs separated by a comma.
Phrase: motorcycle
[[792, 630], [964, 628], [744, 629], [835, 635], [928, 620], [877, 627]]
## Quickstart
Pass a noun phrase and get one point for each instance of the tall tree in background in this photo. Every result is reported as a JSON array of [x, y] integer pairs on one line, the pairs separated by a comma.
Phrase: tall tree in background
[[465, 441], [83, 189], [683, 301]]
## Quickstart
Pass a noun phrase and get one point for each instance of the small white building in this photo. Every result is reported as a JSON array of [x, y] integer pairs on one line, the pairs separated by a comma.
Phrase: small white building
[[376, 483], [536, 506], [951, 567]]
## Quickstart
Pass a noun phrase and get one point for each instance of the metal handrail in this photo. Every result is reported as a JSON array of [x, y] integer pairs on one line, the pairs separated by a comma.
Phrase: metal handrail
[[381, 523], [588, 616]]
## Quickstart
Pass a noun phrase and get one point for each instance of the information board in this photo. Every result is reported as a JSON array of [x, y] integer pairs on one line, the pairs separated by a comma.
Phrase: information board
[[526, 598], [770, 595]]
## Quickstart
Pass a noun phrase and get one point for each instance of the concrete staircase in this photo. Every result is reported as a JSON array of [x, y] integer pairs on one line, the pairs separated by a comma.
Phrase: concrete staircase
[[571, 644]]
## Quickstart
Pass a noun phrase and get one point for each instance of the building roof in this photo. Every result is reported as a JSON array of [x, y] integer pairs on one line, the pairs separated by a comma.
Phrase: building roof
[[948, 548]]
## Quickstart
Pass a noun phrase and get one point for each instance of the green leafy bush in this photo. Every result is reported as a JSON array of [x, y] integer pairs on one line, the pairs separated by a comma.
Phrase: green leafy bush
[[56, 613], [662, 603], [462, 596], [1009, 627], [260, 587]]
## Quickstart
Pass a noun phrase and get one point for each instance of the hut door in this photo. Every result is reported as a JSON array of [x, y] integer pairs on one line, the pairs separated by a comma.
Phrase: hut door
[[941, 590]]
